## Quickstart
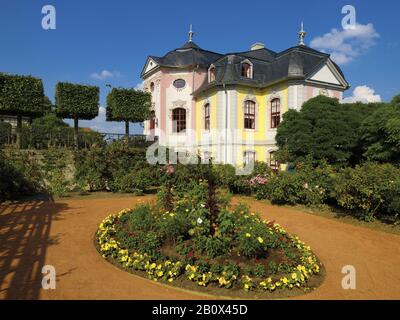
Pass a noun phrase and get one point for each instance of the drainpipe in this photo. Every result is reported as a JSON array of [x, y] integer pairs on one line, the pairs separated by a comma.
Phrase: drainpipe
[[193, 111], [226, 122]]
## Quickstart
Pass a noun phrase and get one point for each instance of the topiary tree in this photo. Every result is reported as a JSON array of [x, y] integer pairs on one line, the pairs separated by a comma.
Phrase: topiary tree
[[22, 96], [128, 105], [74, 101]]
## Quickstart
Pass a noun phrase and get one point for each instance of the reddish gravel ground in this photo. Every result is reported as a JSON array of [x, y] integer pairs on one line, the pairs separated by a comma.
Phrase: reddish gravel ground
[[60, 233]]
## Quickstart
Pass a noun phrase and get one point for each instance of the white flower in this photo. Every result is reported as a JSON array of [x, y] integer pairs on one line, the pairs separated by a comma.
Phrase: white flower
[[202, 205], [199, 221]]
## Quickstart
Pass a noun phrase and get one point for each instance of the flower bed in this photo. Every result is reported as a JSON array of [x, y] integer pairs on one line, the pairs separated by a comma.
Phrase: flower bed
[[280, 262], [192, 238]]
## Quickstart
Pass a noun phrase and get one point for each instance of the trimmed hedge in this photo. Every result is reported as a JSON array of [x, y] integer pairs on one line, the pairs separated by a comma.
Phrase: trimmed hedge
[[22, 96], [128, 105], [74, 101]]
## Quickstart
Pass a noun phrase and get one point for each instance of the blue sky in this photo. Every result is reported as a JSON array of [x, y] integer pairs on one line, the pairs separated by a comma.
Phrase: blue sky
[[107, 42]]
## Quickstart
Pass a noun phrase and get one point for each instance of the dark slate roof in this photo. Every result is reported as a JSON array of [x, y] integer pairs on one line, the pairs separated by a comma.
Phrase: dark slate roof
[[190, 54], [268, 67]]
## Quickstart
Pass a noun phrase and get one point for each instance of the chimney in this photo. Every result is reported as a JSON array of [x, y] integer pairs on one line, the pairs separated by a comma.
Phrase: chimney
[[257, 45]]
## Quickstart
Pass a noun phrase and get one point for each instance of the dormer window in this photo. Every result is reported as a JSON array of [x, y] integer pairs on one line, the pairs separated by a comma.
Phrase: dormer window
[[246, 70], [211, 74]]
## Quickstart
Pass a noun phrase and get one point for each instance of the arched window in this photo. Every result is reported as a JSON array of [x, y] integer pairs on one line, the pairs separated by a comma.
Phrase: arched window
[[211, 76], [273, 163], [152, 120], [249, 114], [207, 116], [179, 120], [275, 112], [152, 87], [245, 70]]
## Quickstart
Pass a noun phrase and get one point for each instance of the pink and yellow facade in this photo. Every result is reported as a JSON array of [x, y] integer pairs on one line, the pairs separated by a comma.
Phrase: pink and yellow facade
[[229, 106]]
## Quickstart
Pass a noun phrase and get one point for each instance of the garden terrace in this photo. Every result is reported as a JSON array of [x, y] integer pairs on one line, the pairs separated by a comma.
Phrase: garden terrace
[[32, 138]]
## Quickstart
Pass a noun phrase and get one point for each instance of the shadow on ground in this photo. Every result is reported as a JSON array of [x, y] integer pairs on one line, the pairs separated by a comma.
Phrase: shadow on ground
[[24, 239]]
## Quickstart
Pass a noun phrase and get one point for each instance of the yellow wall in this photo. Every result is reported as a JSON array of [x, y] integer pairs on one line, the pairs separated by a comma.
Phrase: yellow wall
[[262, 97]]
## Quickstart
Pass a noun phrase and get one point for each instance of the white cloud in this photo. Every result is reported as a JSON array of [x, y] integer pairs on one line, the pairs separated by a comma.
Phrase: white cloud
[[363, 94], [105, 74], [139, 86], [345, 45]]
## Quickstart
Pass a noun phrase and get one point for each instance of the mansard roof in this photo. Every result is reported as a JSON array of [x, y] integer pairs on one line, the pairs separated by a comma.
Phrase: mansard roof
[[190, 54], [268, 66]]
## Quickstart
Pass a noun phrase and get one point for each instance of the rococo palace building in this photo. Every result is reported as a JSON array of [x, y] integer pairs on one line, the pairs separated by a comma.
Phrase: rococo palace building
[[228, 106]]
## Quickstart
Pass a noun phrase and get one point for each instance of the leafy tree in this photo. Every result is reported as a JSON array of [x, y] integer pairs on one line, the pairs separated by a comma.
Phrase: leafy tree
[[22, 96], [74, 101], [322, 129], [128, 105], [381, 133]]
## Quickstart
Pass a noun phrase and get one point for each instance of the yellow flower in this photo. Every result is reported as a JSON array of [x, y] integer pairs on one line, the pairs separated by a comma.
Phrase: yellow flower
[[160, 273], [260, 240], [294, 276], [248, 235]]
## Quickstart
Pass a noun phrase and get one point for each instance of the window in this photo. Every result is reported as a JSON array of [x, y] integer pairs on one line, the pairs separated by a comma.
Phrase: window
[[179, 120], [152, 120], [275, 113], [206, 156], [207, 116], [152, 87], [246, 70], [212, 74], [179, 83], [249, 114], [273, 164], [249, 157]]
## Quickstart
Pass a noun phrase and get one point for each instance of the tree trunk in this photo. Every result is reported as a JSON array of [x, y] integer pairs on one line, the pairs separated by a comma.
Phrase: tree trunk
[[76, 133], [127, 131], [19, 127]]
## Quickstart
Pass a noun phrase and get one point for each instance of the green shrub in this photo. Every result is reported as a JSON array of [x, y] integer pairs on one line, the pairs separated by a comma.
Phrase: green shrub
[[136, 181], [54, 167], [91, 169], [225, 174], [141, 219], [243, 184], [173, 225], [117, 167], [369, 190], [308, 184], [151, 242], [212, 246], [12, 181], [259, 271]]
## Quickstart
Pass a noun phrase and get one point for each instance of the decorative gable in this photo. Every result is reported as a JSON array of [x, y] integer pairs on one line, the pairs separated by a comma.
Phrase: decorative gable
[[328, 74], [150, 65]]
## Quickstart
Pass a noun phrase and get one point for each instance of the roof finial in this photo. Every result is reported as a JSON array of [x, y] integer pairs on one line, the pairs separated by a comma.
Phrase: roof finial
[[191, 33], [302, 35]]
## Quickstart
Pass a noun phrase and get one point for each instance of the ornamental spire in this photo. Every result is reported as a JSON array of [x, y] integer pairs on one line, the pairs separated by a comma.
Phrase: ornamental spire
[[191, 33], [302, 35]]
